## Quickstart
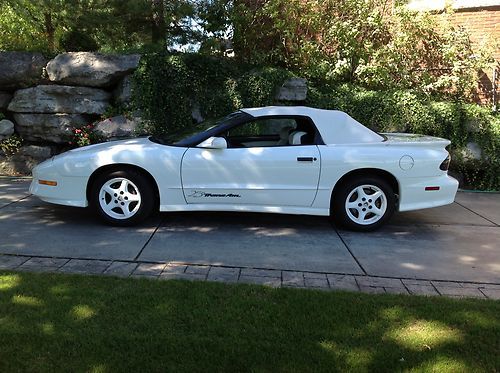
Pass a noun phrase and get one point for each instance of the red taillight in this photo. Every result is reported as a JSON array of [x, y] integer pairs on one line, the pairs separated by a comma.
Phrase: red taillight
[[431, 188], [445, 164]]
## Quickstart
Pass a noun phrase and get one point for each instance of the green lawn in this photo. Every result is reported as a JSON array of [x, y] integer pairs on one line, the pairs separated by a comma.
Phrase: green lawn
[[52, 322]]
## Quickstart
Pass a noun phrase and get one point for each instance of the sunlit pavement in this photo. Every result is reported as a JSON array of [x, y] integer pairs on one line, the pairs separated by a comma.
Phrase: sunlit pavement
[[452, 250]]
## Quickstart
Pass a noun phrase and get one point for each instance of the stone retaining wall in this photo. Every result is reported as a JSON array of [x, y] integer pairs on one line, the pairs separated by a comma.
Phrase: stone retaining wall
[[44, 101]]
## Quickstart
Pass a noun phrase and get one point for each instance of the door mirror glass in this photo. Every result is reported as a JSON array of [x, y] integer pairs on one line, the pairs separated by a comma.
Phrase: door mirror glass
[[214, 143]]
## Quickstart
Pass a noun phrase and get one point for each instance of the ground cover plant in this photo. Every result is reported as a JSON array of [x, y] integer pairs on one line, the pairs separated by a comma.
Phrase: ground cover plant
[[53, 322]]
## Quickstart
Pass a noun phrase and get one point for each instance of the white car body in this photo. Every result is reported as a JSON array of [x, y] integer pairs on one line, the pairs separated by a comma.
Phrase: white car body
[[262, 178]]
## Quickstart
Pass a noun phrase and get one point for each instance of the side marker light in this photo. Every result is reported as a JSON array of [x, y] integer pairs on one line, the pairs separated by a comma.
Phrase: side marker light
[[47, 182]]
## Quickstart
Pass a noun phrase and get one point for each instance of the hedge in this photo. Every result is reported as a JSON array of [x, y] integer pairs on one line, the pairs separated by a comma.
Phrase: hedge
[[168, 87]]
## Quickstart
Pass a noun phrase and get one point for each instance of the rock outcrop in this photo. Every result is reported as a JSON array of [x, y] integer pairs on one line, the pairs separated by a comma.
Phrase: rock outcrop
[[24, 160], [117, 127], [46, 101], [60, 99], [56, 128], [294, 89], [91, 69], [21, 69], [35, 151], [6, 128], [123, 92]]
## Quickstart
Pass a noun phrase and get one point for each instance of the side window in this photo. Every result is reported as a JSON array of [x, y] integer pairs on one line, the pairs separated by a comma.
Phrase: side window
[[272, 132], [263, 128]]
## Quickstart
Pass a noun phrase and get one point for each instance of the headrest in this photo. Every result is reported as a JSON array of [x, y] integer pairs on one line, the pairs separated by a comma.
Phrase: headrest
[[296, 137]]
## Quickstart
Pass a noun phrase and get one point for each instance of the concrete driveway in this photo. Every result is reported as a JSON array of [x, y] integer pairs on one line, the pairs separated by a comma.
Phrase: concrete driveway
[[459, 242]]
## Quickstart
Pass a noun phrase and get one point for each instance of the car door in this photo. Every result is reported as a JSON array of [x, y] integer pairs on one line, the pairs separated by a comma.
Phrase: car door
[[259, 167]]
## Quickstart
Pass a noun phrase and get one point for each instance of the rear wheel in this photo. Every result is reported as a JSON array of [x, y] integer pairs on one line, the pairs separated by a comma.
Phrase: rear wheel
[[122, 198], [363, 203]]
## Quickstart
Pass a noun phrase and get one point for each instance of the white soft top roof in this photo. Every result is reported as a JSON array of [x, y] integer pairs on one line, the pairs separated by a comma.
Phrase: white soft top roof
[[335, 127]]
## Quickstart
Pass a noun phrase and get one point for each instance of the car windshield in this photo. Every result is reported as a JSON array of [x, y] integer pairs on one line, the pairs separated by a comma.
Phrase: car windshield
[[194, 134]]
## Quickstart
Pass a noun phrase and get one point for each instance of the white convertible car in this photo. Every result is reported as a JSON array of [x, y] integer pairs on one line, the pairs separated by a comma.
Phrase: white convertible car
[[292, 160]]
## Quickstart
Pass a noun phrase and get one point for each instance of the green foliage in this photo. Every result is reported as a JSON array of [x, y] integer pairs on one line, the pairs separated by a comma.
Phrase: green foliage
[[77, 41], [359, 41], [484, 129], [168, 87], [407, 111], [11, 145], [37, 25], [17, 33], [116, 110], [112, 24]]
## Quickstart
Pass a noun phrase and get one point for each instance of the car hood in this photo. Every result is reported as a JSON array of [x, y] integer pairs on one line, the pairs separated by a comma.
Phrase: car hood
[[140, 152], [110, 144]]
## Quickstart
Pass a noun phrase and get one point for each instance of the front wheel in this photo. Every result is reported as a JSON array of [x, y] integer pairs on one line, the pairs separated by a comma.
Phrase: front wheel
[[122, 198], [363, 203]]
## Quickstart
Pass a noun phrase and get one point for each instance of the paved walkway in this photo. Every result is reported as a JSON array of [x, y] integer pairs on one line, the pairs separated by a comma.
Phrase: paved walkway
[[274, 278], [452, 251]]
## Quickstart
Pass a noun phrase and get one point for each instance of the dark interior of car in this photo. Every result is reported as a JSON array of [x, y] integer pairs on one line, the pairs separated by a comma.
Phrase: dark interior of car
[[272, 132]]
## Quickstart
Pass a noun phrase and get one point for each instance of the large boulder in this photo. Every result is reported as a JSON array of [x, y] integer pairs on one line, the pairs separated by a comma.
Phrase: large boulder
[[36, 151], [60, 99], [118, 127], [21, 69], [6, 128], [22, 162], [294, 89], [91, 69], [123, 92], [56, 128], [4, 100]]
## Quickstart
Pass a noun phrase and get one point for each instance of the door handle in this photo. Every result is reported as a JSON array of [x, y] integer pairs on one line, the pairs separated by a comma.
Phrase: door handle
[[306, 159]]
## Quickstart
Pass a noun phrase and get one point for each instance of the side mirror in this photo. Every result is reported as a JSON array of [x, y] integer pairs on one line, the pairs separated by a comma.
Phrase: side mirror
[[214, 143]]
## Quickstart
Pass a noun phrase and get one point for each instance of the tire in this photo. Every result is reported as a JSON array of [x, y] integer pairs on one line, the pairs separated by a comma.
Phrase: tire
[[122, 198], [363, 203]]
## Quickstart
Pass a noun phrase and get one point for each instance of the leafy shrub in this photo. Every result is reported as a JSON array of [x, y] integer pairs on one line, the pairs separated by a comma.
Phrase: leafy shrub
[[359, 41], [408, 111], [77, 41], [168, 87]]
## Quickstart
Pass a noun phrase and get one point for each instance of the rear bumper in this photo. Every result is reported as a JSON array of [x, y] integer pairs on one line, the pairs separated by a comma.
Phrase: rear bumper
[[413, 195]]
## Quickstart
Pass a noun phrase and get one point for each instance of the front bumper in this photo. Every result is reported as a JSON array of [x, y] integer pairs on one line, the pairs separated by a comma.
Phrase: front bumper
[[70, 191]]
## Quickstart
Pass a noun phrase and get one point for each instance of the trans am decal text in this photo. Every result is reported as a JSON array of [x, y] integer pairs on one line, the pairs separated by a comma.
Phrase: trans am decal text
[[198, 194]]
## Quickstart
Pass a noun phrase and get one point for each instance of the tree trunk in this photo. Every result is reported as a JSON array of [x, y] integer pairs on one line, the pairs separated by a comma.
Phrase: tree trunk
[[49, 31], [158, 34]]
